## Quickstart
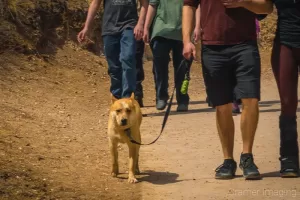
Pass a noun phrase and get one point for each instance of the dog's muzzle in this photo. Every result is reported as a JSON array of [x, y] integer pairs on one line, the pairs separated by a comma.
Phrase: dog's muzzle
[[123, 122]]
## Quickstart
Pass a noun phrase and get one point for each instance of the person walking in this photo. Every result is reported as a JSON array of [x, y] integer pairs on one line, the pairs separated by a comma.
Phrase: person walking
[[163, 31], [231, 65], [285, 62], [121, 27]]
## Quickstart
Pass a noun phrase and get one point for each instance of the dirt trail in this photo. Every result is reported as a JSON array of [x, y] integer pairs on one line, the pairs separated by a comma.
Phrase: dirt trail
[[53, 141]]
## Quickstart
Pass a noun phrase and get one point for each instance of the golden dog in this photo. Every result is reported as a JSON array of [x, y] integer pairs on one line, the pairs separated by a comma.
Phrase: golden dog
[[125, 114]]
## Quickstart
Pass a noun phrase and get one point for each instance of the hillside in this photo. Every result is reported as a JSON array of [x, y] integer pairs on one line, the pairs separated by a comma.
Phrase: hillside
[[42, 26]]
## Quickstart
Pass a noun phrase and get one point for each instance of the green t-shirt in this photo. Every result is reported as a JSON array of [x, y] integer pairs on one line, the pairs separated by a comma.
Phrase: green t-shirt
[[167, 21]]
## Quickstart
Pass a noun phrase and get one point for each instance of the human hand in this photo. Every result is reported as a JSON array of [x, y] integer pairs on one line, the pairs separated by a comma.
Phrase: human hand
[[138, 31], [146, 36], [189, 50], [82, 35], [197, 33]]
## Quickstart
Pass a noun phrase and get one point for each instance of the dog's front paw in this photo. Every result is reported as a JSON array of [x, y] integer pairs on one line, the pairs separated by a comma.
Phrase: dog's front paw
[[132, 180]]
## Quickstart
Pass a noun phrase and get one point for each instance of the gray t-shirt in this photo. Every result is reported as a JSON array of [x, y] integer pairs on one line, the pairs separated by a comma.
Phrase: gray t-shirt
[[119, 15]]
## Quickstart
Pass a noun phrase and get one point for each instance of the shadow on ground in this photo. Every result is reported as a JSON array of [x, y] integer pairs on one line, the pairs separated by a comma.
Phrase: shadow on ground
[[159, 178]]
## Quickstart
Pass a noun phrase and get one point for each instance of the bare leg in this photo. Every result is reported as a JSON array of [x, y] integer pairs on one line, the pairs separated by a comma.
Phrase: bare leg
[[249, 121], [225, 127]]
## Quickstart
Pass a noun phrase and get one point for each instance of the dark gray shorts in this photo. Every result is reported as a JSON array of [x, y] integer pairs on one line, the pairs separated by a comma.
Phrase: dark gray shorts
[[231, 69]]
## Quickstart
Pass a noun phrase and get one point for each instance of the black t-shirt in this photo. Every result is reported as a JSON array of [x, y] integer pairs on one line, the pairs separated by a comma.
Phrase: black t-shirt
[[288, 23], [118, 15]]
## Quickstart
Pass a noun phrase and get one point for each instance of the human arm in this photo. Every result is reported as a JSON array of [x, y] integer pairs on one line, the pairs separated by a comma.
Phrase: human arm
[[151, 12], [256, 6], [139, 28], [92, 11], [197, 31], [188, 14]]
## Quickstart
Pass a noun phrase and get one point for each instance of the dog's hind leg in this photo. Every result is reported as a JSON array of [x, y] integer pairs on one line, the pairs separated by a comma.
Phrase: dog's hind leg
[[113, 146], [133, 151]]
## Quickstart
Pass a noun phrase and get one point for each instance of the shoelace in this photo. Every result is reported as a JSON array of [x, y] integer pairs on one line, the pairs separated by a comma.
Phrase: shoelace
[[248, 162], [223, 166]]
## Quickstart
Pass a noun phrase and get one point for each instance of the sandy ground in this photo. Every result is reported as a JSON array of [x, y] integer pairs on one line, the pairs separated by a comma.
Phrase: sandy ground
[[53, 142]]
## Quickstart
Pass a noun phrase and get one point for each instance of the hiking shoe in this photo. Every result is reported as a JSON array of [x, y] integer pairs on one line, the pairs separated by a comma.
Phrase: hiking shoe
[[182, 107], [235, 108], [289, 166], [140, 101], [250, 170], [226, 170], [161, 104]]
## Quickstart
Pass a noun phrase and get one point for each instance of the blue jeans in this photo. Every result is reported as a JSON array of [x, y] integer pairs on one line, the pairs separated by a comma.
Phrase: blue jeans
[[140, 76], [120, 55], [161, 48]]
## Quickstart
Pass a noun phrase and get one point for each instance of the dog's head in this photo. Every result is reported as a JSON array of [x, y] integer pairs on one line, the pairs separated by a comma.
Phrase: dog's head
[[123, 112]]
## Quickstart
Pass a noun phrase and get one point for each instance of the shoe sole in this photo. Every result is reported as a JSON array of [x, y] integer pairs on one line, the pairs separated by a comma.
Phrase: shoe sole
[[182, 110], [224, 177], [253, 177], [161, 108], [289, 175]]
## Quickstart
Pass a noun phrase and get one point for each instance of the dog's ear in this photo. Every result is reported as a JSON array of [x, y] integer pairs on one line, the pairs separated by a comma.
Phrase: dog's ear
[[113, 99], [132, 96]]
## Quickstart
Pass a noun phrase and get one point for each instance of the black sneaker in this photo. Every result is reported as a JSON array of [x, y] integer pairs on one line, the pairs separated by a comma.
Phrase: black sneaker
[[250, 170], [226, 170], [235, 108], [182, 107], [289, 167], [161, 104]]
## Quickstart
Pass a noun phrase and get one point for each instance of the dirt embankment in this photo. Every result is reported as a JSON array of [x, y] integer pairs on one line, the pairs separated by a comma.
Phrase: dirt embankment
[[42, 26]]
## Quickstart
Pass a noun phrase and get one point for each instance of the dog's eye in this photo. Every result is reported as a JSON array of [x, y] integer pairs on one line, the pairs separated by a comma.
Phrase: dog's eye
[[127, 110], [118, 111]]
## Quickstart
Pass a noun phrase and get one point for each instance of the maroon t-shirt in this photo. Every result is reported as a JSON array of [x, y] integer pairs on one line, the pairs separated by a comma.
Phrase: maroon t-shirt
[[224, 26]]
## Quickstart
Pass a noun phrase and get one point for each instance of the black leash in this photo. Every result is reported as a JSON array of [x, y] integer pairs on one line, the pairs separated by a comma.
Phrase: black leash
[[184, 63]]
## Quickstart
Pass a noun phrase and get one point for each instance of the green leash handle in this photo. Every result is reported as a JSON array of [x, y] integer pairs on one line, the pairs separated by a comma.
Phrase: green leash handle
[[185, 84]]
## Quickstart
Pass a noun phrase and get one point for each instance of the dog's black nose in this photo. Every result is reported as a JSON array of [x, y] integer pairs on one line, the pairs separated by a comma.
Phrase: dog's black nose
[[124, 122]]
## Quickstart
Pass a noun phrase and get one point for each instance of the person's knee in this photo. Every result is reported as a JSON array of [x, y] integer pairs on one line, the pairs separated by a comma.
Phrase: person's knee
[[250, 103], [224, 109], [289, 105], [128, 53], [114, 69], [129, 59]]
